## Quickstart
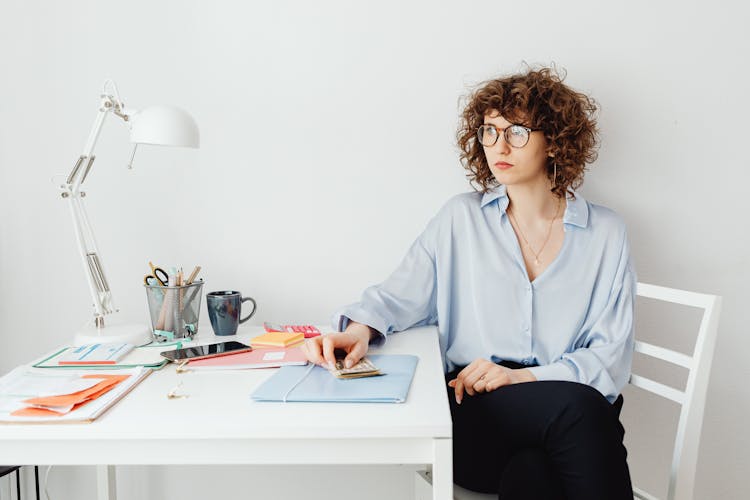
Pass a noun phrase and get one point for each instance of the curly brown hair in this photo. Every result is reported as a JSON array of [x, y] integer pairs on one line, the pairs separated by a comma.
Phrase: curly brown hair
[[539, 100]]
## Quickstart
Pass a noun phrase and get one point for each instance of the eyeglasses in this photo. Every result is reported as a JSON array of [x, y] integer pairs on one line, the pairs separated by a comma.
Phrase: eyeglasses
[[516, 136]]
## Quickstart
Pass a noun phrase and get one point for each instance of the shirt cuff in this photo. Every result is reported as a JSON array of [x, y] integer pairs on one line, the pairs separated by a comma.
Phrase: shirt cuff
[[553, 371], [376, 340]]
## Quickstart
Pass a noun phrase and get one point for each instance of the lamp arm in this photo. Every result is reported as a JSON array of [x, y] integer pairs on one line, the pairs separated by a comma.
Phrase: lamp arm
[[98, 286], [108, 105], [71, 190]]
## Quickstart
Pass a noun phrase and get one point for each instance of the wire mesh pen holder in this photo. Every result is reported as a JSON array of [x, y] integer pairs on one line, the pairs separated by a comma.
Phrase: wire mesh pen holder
[[174, 310]]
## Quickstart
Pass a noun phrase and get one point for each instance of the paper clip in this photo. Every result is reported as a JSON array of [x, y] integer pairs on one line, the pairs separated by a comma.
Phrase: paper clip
[[173, 393]]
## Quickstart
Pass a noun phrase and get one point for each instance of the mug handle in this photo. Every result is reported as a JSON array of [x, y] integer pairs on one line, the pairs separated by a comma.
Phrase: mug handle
[[255, 306]]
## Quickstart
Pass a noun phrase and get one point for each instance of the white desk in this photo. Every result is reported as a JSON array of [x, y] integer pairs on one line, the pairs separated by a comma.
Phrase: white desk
[[224, 426]]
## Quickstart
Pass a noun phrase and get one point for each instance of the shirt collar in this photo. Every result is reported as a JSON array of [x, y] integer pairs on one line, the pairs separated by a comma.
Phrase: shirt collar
[[576, 212], [496, 193]]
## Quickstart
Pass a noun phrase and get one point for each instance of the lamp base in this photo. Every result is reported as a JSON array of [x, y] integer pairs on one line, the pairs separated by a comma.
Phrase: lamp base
[[132, 334]]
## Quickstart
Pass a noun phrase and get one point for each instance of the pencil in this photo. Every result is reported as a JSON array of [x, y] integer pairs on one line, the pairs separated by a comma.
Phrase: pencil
[[192, 276]]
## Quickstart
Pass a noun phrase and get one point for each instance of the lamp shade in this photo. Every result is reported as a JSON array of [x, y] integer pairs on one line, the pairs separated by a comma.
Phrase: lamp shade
[[164, 126]]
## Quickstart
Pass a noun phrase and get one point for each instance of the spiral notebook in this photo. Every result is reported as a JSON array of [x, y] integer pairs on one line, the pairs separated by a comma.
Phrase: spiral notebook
[[23, 389], [316, 384]]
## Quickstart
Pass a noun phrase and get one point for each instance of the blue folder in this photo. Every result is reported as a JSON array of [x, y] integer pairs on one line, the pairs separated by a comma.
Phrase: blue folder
[[316, 384]]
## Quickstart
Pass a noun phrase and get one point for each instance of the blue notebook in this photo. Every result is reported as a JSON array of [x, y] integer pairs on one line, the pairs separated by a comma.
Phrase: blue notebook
[[316, 384]]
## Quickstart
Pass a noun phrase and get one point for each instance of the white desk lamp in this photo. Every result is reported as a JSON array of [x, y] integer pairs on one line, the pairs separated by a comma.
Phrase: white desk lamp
[[156, 125]]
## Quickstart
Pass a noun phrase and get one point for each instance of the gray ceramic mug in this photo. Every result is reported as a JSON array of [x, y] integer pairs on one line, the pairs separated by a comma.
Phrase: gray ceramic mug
[[224, 309]]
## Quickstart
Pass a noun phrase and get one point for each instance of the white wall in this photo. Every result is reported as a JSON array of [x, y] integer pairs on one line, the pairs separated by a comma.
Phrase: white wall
[[304, 220]]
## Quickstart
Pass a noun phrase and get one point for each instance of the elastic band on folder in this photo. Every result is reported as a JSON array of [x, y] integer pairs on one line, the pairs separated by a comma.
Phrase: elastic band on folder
[[312, 365]]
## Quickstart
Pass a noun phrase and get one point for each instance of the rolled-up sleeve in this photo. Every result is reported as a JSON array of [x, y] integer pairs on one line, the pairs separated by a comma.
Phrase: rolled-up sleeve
[[605, 355], [404, 300]]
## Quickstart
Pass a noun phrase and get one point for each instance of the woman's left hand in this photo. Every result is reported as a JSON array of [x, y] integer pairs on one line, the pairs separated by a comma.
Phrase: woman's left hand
[[483, 375]]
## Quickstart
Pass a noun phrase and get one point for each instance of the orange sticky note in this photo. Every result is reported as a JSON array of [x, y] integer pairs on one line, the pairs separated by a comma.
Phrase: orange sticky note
[[278, 339]]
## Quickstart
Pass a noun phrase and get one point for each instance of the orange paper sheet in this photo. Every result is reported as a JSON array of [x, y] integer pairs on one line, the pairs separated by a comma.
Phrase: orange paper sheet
[[77, 399]]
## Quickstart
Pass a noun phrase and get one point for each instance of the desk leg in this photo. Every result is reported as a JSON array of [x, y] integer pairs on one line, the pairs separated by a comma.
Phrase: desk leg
[[442, 470], [106, 484]]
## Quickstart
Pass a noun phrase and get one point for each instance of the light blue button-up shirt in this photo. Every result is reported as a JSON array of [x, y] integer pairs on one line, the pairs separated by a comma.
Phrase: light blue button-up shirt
[[465, 274]]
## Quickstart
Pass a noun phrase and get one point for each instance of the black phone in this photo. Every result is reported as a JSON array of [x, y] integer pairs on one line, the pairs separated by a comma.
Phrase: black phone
[[206, 351]]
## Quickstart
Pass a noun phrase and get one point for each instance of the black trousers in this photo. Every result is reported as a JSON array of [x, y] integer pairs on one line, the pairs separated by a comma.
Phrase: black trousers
[[540, 440]]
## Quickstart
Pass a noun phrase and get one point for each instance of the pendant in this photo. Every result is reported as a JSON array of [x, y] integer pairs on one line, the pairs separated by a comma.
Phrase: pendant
[[536, 261]]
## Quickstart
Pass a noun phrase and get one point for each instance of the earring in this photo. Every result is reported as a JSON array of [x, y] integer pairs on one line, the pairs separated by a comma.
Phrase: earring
[[554, 175]]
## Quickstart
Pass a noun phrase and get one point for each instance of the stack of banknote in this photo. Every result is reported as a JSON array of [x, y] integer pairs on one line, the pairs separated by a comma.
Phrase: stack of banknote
[[364, 368]]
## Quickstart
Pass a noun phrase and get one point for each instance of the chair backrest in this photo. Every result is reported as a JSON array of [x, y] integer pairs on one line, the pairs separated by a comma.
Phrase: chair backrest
[[692, 400]]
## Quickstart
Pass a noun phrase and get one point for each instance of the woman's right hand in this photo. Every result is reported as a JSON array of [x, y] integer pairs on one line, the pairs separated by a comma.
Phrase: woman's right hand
[[354, 340]]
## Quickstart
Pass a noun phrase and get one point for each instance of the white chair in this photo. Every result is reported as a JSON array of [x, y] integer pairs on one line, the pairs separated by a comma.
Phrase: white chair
[[692, 400]]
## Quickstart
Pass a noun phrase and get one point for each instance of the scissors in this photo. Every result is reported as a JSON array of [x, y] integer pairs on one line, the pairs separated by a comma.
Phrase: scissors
[[158, 275]]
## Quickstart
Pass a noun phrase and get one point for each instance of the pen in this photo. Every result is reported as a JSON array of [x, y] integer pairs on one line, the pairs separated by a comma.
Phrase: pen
[[180, 300], [169, 301]]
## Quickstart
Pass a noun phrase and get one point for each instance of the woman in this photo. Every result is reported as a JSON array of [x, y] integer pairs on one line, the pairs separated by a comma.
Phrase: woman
[[532, 289]]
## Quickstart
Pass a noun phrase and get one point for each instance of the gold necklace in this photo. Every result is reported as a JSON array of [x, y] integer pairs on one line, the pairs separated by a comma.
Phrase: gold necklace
[[549, 232]]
